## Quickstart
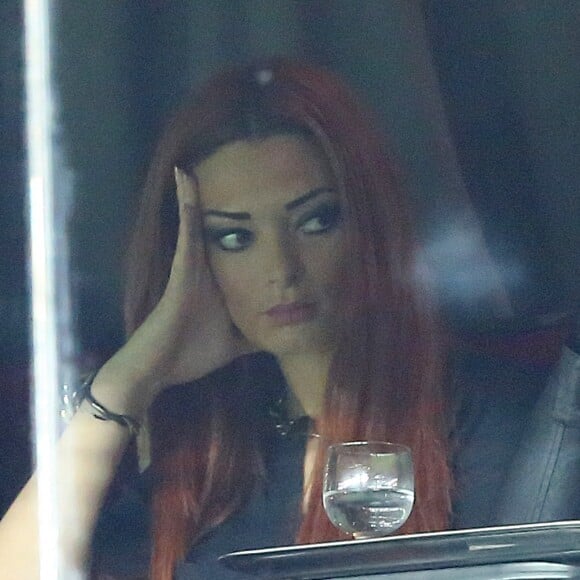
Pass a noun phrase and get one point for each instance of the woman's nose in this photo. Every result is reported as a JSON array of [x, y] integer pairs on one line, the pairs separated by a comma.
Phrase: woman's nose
[[283, 262]]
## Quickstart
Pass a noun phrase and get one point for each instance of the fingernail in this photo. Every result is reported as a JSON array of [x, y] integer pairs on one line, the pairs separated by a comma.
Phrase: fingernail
[[178, 174]]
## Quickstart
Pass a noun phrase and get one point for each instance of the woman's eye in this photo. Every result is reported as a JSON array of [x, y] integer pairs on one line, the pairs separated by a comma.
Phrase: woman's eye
[[231, 240], [321, 220]]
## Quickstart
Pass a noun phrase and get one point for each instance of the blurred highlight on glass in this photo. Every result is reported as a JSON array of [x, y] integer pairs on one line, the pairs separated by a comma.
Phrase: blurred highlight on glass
[[53, 340]]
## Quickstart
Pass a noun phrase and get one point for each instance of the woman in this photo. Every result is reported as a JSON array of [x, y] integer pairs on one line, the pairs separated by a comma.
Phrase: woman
[[289, 235], [310, 255]]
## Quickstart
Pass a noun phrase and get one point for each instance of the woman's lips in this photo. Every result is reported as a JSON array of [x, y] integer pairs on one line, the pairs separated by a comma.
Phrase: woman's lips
[[292, 313]]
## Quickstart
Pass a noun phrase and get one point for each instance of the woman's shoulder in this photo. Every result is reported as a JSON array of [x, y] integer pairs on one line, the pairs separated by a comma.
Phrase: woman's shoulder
[[250, 382]]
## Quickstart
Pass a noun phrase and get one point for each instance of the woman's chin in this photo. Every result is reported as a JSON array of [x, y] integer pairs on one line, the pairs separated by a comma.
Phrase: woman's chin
[[302, 339]]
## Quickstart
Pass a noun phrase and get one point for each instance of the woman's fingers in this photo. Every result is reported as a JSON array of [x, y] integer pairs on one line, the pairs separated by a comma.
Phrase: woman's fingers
[[186, 193], [188, 201], [189, 249]]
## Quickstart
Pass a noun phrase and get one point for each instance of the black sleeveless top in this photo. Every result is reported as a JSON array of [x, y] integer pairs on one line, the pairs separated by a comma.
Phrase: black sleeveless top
[[496, 403]]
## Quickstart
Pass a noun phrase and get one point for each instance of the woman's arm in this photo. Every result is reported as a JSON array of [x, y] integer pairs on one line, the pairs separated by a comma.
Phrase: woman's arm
[[88, 454], [188, 335]]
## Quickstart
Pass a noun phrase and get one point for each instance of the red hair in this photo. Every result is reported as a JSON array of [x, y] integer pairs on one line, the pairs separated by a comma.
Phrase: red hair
[[385, 381]]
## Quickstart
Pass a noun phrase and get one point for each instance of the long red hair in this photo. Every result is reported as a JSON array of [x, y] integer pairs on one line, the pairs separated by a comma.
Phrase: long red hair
[[386, 379]]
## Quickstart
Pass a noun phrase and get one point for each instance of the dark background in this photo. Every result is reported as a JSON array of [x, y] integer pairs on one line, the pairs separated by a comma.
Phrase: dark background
[[479, 98]]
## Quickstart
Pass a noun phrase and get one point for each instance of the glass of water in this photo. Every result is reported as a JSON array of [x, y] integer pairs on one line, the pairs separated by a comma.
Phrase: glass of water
[[368, 487]]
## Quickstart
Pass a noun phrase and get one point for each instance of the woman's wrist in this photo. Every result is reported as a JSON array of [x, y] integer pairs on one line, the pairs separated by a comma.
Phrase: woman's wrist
[[103, 413], [120, 393]]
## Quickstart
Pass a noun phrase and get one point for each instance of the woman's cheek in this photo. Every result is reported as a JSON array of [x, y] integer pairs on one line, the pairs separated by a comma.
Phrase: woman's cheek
[[237, 282]]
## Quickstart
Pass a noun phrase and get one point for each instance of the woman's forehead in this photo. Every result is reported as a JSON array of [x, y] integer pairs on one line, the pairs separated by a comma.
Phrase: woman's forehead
[[254, 171]]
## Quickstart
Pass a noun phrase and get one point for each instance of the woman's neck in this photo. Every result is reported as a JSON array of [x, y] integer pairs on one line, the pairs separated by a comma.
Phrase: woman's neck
[[306, 375]]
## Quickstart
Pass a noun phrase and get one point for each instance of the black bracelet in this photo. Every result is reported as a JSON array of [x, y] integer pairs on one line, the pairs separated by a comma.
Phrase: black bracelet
[[99, 411]]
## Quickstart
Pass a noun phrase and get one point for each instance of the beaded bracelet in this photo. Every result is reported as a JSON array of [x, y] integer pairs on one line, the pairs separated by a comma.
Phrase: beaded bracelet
[[99, 411]]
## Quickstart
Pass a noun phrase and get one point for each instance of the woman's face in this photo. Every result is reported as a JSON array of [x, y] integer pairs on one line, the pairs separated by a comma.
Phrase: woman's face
[[276, 236]]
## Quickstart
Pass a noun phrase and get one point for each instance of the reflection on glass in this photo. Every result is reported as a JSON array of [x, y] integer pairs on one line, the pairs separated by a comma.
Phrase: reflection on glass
[[119, 76], [53, 343]]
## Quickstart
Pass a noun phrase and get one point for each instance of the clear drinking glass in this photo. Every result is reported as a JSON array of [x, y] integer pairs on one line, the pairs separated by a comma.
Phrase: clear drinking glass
[[368, 487]]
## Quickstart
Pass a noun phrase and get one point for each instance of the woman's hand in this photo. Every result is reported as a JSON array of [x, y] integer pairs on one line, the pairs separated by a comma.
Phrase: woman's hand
[[188, 334]]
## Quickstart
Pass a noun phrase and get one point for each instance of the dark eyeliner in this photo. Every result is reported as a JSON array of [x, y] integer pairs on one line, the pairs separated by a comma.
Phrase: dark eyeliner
[[330, 212], [215, 235]]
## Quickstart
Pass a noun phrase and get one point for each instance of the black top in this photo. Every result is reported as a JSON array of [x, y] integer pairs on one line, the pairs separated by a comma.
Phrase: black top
[[496, 402]]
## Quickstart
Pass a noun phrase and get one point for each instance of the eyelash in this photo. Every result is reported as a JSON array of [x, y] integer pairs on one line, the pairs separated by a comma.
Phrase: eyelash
[[216, 237], [329, 214]]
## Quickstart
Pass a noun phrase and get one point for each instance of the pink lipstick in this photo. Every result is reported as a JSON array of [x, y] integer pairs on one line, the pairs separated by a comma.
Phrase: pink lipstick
[[292, 313]]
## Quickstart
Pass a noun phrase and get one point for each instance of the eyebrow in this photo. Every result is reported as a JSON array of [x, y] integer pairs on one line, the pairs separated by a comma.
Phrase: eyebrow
[[289, 206]]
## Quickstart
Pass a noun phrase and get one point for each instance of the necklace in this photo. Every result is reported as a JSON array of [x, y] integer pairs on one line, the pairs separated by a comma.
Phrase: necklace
[[286, 426]]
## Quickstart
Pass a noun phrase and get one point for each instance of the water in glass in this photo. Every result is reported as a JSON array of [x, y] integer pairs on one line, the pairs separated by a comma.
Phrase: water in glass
[[368, 487]]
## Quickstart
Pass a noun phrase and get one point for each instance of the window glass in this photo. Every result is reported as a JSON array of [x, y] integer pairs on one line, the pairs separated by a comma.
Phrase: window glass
[[478, 105]]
